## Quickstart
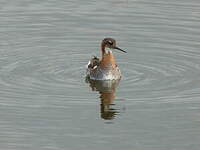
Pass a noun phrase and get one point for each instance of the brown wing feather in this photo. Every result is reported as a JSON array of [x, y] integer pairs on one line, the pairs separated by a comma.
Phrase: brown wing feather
[[93, 62]]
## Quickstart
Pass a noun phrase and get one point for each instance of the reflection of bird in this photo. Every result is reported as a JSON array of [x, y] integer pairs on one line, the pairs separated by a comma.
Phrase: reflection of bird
[[107, 95], [106, 68], [107, 112]]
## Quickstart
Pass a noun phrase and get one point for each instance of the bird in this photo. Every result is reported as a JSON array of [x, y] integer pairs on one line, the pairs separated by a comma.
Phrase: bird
[[105, 68]]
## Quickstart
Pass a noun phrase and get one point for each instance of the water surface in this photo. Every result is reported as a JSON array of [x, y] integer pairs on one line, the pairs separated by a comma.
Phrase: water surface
[[45, 102]]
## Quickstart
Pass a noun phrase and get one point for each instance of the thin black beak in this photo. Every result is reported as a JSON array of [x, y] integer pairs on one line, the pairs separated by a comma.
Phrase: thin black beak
[[119, 49]]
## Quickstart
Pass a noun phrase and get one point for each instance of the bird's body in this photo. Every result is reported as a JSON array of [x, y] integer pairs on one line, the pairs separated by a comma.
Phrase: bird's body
[[106, 68]]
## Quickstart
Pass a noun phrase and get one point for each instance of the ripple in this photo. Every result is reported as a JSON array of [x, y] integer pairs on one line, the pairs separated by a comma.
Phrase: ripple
[[56, 74], [164, 74], [162, 40]]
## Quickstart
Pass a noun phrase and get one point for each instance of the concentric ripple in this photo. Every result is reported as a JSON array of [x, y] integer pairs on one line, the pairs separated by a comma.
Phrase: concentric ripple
[[42, 75], [148, 75], [159, 75], [39, 59]]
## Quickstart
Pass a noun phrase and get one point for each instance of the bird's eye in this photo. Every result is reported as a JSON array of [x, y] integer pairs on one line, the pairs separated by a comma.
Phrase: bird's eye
[[110, 42]]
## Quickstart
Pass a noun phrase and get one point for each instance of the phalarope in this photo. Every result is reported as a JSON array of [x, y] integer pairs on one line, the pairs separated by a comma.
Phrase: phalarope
[[106, 68]]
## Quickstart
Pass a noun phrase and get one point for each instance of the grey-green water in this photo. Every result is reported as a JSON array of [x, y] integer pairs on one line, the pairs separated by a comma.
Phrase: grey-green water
[[45, 102]]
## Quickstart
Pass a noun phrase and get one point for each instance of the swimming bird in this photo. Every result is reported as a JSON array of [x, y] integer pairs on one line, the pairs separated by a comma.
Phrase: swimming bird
[[106, 68]]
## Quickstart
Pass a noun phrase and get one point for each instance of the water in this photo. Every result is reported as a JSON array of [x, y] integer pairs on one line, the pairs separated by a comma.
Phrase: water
[[45, 102]]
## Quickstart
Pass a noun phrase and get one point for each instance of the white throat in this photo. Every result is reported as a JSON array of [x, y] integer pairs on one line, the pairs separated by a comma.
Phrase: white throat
[[108, 50]]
